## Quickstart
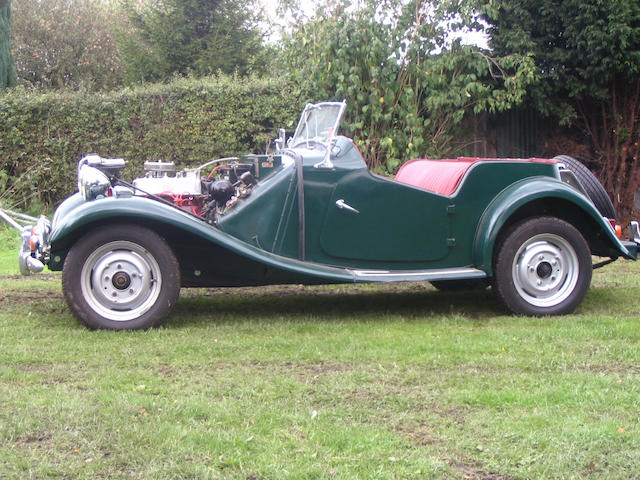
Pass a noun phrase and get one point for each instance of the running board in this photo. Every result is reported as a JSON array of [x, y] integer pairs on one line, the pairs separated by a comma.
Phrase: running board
[[415, 275]]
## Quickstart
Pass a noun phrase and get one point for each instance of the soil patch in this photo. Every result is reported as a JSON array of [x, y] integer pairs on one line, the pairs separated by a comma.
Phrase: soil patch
[[29, 297], [472, 472]]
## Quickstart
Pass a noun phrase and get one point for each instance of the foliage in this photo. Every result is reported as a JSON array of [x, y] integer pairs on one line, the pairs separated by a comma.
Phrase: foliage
[[66, 43], [198, 37], [102, 44], [187, 121], [587, 54], [580, 47], [408, 83], [7, 70]]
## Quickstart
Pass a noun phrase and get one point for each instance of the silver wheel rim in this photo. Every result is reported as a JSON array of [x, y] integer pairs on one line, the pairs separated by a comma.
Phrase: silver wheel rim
[[121, 280], [545, 270]]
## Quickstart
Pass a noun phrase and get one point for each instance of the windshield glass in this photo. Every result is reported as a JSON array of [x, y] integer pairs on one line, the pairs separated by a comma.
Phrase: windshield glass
[[318, 122]]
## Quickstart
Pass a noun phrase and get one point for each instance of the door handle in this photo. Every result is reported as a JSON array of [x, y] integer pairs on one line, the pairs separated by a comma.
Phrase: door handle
[[343, 206]]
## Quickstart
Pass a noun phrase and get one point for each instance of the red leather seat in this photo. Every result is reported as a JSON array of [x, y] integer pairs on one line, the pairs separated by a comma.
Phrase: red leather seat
[[438, 176]]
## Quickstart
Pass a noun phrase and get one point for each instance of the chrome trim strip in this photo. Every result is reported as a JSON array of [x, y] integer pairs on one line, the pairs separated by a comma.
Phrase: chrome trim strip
[[439, 273]]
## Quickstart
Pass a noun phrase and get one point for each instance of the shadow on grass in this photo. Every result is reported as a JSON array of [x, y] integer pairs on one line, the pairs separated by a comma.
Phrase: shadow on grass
[[224, 306]]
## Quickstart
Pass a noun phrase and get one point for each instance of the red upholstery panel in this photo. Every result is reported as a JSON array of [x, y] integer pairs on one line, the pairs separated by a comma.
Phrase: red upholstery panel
[[439, 176], [444, 176]]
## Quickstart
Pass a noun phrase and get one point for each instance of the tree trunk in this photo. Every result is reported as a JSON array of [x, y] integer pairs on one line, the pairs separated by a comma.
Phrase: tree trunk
[[614, 128], [7, 70]]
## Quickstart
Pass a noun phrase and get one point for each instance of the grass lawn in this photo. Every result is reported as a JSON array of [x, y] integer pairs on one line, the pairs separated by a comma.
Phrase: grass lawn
[[339, 382]]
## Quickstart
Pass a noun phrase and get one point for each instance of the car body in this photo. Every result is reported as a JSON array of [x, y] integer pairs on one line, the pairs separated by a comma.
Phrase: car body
[[312, 212]]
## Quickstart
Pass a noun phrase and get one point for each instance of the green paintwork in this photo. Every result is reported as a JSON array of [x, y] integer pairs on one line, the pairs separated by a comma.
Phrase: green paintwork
[[264, 220], [399, 233], [632, 249], [196, 235], [520, 194], [425, 230]]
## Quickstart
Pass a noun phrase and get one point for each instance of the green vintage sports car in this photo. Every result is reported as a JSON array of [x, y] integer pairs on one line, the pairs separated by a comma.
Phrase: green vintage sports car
[[312, 213]]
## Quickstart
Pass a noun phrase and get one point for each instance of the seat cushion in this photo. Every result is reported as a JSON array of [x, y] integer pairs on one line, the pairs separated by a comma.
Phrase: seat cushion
[[438, 176]]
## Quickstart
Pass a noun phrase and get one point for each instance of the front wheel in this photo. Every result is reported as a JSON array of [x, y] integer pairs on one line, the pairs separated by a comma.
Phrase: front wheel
[[121, 277], [542, 267]]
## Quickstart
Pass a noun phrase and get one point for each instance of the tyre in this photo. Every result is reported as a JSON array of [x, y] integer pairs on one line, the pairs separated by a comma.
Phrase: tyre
[[591, 184], [121, 277], [542, 267], [461, 285]]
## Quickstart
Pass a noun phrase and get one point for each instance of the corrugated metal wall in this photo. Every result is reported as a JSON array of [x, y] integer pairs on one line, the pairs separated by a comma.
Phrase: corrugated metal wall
[[514, 134], [518, 133]]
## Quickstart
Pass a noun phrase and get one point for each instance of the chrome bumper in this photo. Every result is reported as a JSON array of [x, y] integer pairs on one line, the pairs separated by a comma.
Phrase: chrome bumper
[[34, 249], [634, 232]]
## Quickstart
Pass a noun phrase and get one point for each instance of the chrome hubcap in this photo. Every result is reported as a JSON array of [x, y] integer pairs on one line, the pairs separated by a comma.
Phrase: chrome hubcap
[[545, 270], [121, 281]]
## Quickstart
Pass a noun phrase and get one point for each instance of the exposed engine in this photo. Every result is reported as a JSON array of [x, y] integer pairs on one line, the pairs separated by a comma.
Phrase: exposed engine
[[228, 181], [206, 197]]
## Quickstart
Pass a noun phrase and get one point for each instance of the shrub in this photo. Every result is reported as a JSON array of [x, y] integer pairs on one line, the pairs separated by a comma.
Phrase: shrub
[[186, 121], [409, 85], [67, 43]]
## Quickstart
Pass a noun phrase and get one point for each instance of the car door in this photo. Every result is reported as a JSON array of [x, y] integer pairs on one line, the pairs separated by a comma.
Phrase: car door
[[372, 218]]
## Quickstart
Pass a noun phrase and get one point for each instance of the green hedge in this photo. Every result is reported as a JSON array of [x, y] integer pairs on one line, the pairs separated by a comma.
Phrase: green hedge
[[187, 121]]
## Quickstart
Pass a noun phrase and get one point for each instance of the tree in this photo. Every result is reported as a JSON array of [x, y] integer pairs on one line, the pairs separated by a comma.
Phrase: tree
[[409, 84], [7, 71], [587, 54], [66, 43], [198, 37]]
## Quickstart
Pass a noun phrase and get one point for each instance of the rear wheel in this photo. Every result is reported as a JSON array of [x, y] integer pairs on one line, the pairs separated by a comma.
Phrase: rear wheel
[[542, 267], [121, 277]]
